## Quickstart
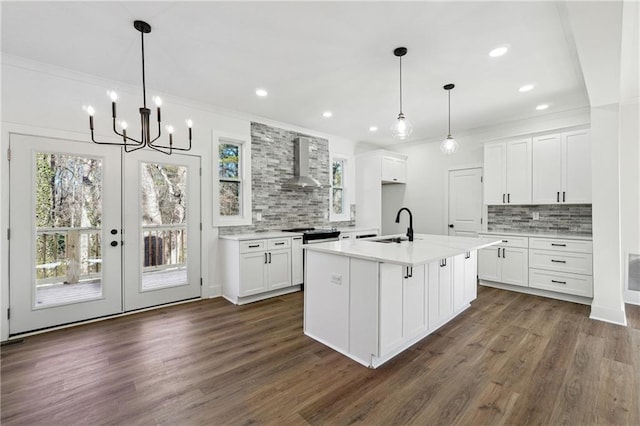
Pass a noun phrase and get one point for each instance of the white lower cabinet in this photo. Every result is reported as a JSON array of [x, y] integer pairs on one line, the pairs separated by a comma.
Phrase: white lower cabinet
[[440, 292], [254, 269], [465, 271], [509, 265], [297, 261]]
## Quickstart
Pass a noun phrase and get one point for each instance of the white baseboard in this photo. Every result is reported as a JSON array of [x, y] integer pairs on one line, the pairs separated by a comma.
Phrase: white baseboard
[[613, 316], [538, 292]]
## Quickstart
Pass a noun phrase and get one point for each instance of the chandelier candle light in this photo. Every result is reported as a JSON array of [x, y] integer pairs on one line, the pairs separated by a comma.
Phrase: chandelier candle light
[[401, 128], [449, 145], [130, 144]]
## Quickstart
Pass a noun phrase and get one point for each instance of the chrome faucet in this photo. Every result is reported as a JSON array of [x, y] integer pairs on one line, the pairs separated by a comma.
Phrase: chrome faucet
[[410, 228]]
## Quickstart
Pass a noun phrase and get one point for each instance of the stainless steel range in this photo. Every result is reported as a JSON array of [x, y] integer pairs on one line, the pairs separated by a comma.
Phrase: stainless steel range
[[313, 235]]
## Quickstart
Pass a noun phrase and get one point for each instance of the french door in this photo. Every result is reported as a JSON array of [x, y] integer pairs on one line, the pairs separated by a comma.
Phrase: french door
[[95, 232]]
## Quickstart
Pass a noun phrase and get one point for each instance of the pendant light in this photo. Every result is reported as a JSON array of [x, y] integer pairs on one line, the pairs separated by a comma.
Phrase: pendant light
[[449, 145], [130, 144], [401, 128]]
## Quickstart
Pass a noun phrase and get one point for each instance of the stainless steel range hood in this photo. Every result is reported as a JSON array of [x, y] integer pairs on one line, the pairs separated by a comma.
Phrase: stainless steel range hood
[[301, 178]]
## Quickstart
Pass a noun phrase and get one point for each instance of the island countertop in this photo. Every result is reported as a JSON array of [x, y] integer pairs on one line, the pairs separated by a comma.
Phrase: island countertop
[[425, 248]]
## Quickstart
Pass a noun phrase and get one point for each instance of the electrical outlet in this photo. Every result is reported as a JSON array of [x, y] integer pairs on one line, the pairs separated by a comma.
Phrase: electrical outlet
[[536, 215], [336, 279], [259, 216]]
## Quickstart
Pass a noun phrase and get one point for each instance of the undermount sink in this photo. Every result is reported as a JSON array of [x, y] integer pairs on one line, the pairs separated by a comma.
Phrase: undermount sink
[[391, 240]]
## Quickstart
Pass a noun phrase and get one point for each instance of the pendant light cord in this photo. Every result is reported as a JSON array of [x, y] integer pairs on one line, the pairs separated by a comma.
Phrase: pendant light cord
[[449, 111], [400, 84], [144, 85]]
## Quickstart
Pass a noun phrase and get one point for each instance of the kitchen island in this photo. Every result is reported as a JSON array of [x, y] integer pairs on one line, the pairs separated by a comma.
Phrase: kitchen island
[[370, 300]]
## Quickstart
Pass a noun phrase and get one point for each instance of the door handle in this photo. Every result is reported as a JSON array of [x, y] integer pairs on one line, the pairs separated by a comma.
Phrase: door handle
[[504, 256], [269, 257], [563, 196], [502, 198], [508, 198], [265, 258], [557, 197], [498, 251]]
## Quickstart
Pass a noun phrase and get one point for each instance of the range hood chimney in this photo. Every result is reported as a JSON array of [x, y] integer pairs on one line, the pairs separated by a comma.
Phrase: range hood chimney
[[301, 178]]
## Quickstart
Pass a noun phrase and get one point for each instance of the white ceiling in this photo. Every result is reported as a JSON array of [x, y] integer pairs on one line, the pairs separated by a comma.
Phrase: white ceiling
[[317, 56]]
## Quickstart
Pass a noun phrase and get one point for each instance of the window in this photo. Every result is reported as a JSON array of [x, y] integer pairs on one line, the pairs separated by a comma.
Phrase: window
[[339, 208], [233, 183], [230, 179]]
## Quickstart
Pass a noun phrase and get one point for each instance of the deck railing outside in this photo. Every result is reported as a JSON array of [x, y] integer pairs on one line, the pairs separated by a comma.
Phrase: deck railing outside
[[70, 255]]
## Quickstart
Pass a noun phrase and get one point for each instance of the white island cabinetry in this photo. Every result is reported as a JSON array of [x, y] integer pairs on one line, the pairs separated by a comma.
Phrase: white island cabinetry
[[370, 301]]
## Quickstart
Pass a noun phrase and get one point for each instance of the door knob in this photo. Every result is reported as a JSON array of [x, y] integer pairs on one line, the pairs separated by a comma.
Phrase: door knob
[[114, 243], [451, 225], [114, 231]]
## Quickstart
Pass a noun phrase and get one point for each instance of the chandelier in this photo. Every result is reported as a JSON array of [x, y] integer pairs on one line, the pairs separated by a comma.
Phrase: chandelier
[[130, 144]]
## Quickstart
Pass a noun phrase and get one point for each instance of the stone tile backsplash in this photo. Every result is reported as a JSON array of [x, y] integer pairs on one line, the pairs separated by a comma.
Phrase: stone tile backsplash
[[560, 218], [271, 166]]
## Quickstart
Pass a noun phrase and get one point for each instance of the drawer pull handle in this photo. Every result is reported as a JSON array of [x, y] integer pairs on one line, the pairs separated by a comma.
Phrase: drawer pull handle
[[498, 251], [504, 256], [279, 244], [265, 258], [558, 245], [558, 282], [254, 246], [297, 238], [558, 261], [558, 197], [505, 241]]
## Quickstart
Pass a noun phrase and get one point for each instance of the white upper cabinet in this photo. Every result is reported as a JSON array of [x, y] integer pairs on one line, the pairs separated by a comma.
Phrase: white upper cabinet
[[394, 169], [562, 168], [507, 172]]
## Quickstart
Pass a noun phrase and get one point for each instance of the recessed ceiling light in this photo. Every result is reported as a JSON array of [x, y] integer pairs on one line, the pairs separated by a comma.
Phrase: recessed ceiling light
[[526, 88], [542, 106], [373, 129], [327, 114], [261, 92], [498, 51]]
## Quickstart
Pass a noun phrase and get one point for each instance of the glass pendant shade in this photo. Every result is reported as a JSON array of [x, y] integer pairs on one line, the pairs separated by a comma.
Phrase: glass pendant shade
[[401, 128], [449, 145]]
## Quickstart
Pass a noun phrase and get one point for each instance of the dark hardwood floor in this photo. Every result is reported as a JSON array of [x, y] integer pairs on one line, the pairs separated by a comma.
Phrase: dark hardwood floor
[[509, 359]]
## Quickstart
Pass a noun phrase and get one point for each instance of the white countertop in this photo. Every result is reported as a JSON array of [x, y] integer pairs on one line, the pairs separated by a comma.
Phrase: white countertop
[[425, 248], [540, 235], [260, 235]]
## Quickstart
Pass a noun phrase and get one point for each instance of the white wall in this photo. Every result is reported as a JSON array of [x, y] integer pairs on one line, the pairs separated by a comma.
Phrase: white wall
[[43, 100]]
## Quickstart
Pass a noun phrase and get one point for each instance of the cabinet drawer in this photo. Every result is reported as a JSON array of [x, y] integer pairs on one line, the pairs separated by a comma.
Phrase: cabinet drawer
[[561, 282], [509, 240], [578, 246], [578, 263], [278, 243], [252, 245]]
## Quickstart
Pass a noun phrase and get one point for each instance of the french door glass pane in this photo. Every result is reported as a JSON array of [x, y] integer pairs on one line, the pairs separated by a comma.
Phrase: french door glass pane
[[68, 203], [164, 225]]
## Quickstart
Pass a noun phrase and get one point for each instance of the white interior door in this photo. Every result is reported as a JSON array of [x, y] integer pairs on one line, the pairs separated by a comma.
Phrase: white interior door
[[162, 229], [64, 216], [465, 201]]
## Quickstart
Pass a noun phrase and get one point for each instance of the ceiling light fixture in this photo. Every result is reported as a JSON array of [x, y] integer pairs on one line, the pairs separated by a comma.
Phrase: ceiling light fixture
[[327, 114], [261, 92], [542, 107], [131, 144], [526, 88], [498, 51], [449, 145], [401, 128]]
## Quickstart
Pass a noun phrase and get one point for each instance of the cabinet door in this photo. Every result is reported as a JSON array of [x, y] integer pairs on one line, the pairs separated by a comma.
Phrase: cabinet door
[[252, 273], [495, 172], [489, 263], [394, 170], [391, 323], [279, 269], [576, 167], [445, 284], [458, 282], [471, 277], [519, 171], [297, 261], [413, 302], [400, 170], [514, 266], [547, 169]]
